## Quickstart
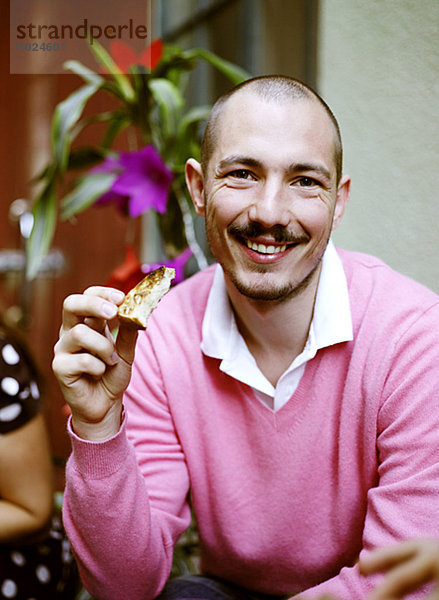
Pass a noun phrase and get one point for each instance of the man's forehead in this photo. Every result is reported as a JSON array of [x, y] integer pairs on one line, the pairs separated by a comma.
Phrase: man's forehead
[[254, 115], [247, 114], [250, 106], [252, 97]]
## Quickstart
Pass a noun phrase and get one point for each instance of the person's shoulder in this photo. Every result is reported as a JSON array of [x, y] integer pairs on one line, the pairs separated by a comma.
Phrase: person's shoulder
[[357, 260], [369, 276], [186, 300], [195, 288]]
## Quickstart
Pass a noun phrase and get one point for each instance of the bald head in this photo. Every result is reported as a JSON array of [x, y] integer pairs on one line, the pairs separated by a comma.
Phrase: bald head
[[270, 88]]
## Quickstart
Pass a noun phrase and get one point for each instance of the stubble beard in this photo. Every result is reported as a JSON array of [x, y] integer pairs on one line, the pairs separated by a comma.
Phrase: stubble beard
[[263, 293], [275, 294]]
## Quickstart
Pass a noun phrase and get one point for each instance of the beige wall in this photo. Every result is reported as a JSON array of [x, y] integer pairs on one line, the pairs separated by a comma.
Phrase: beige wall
[[378, 68]]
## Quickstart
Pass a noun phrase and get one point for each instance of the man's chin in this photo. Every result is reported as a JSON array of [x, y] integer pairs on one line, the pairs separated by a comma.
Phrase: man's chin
[[264, 291], [265, 295]]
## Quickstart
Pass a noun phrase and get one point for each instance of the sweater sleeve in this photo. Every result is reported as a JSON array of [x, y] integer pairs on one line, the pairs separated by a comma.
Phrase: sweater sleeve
[[126, 498], [403, 505]]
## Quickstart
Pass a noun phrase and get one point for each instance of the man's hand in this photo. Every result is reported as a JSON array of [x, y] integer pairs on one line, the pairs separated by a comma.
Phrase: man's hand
[[92, 368], [408, 566]]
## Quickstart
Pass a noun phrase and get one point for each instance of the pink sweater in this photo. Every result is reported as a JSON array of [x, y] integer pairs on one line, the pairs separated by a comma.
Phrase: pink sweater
[[285, 501]]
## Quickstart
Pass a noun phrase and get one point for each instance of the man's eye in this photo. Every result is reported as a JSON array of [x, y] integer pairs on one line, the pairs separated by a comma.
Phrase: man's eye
[[307, 181], [241, 174]]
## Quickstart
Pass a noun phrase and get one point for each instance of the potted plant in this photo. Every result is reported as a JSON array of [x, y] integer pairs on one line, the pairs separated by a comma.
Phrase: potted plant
[[150, 109]]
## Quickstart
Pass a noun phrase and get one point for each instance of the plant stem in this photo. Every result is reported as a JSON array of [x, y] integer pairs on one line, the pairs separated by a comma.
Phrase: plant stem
[[189, 227]]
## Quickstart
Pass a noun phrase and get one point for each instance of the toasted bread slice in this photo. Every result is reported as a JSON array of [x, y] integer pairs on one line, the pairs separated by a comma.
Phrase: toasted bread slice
[[139, 302]]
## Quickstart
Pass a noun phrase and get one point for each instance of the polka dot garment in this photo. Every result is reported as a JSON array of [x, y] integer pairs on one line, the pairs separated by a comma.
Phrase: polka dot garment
[[19, 392], [43, 571]]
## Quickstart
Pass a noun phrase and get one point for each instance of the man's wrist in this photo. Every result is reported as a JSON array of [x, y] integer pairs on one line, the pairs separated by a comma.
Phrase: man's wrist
[[99, 431]]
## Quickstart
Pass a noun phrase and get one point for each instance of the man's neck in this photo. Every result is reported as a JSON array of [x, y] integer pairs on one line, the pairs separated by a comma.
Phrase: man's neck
[[275, 332]]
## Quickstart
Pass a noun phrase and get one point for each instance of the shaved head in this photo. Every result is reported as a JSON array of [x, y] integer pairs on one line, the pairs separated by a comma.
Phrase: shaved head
[[270, 88]]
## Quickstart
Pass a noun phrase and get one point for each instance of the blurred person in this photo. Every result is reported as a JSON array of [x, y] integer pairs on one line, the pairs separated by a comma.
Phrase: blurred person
[[407, 566], [287, 393], [35, 558]]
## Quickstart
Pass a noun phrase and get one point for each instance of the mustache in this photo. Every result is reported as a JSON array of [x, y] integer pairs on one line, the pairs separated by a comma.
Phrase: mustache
[[280, 234]]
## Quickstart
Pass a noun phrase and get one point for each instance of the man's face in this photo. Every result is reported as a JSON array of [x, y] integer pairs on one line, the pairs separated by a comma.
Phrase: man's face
[[269, 195]]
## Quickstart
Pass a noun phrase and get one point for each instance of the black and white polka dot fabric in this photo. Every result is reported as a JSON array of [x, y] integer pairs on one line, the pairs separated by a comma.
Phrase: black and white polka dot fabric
[[19, 392], [44, 569], [41, 571]]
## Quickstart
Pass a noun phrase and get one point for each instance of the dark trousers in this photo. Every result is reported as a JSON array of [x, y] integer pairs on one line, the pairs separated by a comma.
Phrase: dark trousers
[[197, 587]]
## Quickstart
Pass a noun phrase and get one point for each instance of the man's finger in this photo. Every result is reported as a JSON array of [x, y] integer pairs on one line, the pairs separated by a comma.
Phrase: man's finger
[[110, 294], [126, 343], [83, 339], [77, 307]]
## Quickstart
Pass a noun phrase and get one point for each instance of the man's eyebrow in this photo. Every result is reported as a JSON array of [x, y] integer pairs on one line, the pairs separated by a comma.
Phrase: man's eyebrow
[[307, 167], [235, 159]]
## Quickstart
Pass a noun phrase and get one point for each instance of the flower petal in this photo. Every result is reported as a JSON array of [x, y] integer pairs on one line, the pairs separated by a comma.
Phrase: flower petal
[[143, 182], [152, 55], [128, 274], [123, 55]]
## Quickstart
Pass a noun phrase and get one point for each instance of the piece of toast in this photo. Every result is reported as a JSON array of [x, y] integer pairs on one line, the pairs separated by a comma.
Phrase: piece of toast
[[139, 302]]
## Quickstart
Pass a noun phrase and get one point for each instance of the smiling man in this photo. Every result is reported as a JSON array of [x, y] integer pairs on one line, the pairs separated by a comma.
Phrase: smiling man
[[272, 193], [288, 393]]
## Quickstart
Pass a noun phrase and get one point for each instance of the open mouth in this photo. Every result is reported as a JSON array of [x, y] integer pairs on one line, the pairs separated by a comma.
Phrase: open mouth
[[264, 249]]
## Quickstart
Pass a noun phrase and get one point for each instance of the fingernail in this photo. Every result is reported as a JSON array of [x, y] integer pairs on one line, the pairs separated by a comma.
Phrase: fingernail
[[114, 358], [117, 296], [109, 310]]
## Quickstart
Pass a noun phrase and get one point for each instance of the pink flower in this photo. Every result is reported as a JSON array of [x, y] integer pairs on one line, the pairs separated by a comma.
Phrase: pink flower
[[143, 182]]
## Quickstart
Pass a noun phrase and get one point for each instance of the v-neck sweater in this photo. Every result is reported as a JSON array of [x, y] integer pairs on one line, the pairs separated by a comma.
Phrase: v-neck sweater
[[331, 324], [284, 500]]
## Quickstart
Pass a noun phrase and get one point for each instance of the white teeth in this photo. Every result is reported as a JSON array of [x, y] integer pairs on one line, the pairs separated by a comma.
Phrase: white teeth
[[263, 249]]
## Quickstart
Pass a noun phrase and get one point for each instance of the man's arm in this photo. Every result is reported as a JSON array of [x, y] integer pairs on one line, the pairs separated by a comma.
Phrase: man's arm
[[121, 530], [403, 504]]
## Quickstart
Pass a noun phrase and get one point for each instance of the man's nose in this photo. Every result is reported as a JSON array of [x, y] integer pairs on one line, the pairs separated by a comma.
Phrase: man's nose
[[270, 205]]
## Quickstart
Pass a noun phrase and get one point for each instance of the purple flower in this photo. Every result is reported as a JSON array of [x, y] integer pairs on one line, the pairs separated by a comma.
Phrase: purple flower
[[143, 182]]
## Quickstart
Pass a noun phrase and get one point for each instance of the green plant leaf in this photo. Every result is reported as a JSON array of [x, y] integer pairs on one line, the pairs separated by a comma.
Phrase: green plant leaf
[[108, 116], [118, 123], [45, 214], [85, 157], [233, 72], [65, 117], [170, 104], [140, 109], [85, 193], [122, 81], [84, 72], [46, 174], [194, 115], [187, 143]]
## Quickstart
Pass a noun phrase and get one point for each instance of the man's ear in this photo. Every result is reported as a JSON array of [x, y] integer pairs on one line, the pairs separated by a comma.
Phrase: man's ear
[[343, 192], [195, 184]]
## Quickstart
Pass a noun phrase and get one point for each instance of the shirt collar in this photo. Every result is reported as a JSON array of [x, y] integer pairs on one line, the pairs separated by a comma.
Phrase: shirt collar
[[331, 323]]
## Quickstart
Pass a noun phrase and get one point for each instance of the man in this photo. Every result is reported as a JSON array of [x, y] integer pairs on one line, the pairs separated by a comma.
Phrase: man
[[290, 393]]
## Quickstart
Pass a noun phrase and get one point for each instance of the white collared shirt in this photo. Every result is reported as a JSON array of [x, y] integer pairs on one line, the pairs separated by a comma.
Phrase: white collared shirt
[[331, 324]]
